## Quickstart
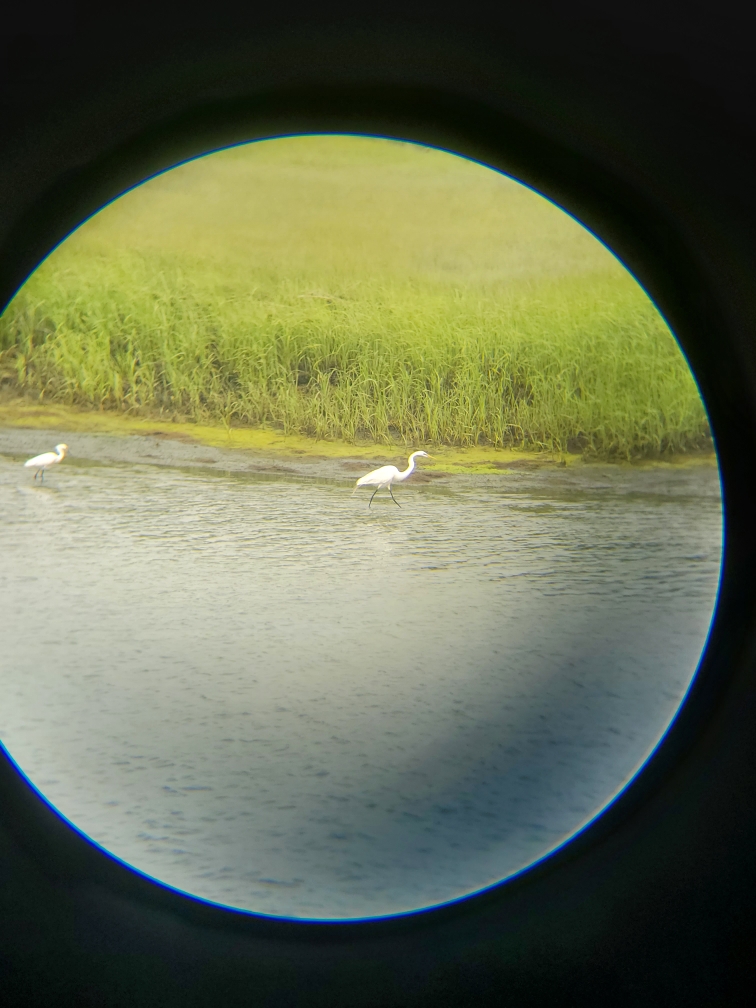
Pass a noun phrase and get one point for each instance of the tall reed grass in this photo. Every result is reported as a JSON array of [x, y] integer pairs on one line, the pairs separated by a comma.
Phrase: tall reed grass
[[560, 358]]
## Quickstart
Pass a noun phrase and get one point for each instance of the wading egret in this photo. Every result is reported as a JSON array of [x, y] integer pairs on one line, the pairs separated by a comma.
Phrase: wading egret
[[42, 462], [387, 475]]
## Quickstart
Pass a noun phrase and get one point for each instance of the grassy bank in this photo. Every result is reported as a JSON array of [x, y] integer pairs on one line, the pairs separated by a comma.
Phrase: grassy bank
[[66, 422], [359, 290]]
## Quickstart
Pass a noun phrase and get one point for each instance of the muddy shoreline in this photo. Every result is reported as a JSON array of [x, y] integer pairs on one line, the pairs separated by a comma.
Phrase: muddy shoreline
[[696, 476]]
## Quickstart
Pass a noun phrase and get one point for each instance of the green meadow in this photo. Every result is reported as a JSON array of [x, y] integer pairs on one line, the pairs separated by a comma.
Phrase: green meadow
[[353, 289]]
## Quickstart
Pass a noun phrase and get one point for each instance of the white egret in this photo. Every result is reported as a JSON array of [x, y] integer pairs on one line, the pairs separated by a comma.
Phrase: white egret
[[44, 461], [387, 475]]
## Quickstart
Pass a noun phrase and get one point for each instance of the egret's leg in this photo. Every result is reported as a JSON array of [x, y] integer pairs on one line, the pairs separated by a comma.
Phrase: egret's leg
[[394, 498], [373, 495], [42, 478]]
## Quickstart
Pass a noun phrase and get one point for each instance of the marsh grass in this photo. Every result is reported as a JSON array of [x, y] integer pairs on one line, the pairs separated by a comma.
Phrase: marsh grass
[[355, 289]]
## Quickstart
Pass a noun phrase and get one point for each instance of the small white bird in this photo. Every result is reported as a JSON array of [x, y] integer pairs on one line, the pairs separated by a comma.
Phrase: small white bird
[[44, 461], [387, 475]]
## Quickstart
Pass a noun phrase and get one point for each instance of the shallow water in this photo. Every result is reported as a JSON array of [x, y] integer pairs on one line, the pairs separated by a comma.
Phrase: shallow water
[[262, 693]]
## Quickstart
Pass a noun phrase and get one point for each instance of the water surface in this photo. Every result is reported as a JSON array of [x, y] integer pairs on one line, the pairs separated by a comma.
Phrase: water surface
[[262, 693]]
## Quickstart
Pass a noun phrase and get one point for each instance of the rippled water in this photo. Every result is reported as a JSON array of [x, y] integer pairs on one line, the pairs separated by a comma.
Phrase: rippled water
[[262, 693]]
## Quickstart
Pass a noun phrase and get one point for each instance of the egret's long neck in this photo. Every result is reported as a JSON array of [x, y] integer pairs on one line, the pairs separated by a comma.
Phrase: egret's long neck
[[61, 453], [410, 467]]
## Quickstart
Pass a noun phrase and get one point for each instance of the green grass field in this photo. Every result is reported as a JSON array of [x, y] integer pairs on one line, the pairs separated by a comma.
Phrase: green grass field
[[359, 289]]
